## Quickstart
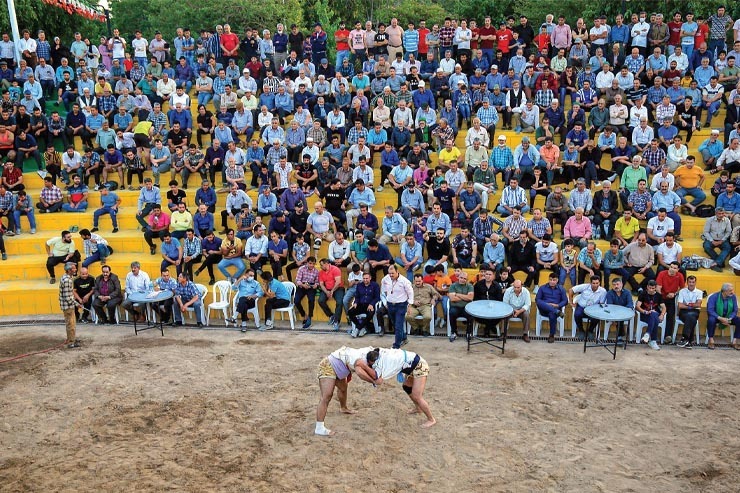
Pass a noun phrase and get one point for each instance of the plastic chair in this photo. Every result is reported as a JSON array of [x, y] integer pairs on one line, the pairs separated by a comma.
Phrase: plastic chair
[[94, 314], [419, 317], [642, 325], [290, 309], [630, 328], [449, 327], [540, 319], [203, 292], [221, 301], [374, 320], [680, 322], [254, 311]]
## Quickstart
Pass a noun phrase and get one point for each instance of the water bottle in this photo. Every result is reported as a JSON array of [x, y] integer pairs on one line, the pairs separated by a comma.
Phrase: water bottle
[[150, 287]]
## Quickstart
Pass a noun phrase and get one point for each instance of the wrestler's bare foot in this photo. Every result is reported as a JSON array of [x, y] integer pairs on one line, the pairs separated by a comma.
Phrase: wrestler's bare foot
[[325, 433], [429, 423], [347, 410], [415, 410]]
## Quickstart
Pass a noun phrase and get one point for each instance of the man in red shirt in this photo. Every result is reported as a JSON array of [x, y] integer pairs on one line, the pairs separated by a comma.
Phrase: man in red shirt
[[487, 39], [503, 38], [423, 47], [670, 282], [674, 33], [341, 37], [330, 284], [229, 43]]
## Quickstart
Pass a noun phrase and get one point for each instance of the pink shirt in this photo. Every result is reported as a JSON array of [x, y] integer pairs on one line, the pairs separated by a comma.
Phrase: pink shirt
[[577, 229], [161, 222]]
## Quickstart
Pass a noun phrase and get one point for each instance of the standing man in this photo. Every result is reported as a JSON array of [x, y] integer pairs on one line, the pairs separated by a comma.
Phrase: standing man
[[67, 303], [399, 295]]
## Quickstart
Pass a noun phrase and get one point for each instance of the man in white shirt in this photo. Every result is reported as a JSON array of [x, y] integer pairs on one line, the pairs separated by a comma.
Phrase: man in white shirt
[[137, 281], [689, 305], [518, 297], [588, 294], [398, 294]]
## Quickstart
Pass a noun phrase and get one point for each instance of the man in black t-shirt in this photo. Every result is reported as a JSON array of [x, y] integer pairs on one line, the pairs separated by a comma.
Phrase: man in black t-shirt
[[83, 293], [447, 199], [333, 197], [652, 311]]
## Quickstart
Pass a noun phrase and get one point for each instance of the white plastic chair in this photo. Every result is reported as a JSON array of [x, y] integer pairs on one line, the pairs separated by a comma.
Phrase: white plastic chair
[[540, 319], [203, 292], [629, 329], [680, 322], [374, 320], [419, 317], [221, 301], [642, 325], [94, 314], [290, 309], [464, 319], [254, 311]]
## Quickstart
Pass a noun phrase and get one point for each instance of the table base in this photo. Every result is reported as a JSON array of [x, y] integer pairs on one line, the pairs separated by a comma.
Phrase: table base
[[149, 325], [604, 343], [475, 340]]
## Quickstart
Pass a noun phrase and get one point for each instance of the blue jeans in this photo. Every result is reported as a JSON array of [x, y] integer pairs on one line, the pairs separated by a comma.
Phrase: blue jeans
[[31, 218], [188, 85], [688, 50], [712, 108], [232, 262], [349, 295], [579, 314], [101, 254], [712, 326], [551, 313], [696, 192], [725, 250], [197, 308], [103, 211], [82, 207], [397, 313], [162, 168], [464, 111], [500, 209], [565, 275], [204, 98], [652, 320], [714, 46], [409, 273], [341, 56]]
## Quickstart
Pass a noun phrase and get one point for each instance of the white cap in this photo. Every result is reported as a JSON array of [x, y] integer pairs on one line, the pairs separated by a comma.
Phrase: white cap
[[421, 83], [501, 137]]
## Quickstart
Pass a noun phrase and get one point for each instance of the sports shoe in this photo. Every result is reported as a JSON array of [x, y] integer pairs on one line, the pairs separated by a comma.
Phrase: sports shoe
[[613, 178], [244, 326], [33, 231], [10, 232], [317, 243], [353, 333], [668, 340], [97, 187], [453, 337], [5, 257], [682, 343], [597, 183], [73, 345], [41, 173], [536, 288], [362, 333], [18, 231], [688, 345], [94, 230], [268, 324], [115, 230], [307, 323], [654, 345], [332, 320], [646, 338], [380, 188]]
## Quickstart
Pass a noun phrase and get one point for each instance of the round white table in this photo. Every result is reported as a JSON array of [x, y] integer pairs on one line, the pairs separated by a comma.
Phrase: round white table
[[487, 310], [146, 299], [605, 313]]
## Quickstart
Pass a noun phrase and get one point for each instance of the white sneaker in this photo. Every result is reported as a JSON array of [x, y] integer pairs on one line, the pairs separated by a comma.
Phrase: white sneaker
[[268, 324], [654, 345], [362, 333], [353, 332], [536, 288], [597, 183], [41, 173], [317, 243], [33, 231], [379, 189], [646, 338]]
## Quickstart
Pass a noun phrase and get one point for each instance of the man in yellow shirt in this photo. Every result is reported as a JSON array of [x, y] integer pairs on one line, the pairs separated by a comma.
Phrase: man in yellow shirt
[[626, 228], [448, 154], [180, 221], [59, 250], [689, 180]]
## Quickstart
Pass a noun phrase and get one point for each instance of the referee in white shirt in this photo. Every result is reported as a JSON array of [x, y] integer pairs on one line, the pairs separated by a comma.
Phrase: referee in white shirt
[[399, 295]]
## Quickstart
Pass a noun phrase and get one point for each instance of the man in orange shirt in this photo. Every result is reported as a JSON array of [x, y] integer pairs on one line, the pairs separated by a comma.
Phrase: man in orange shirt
[[689, 180]]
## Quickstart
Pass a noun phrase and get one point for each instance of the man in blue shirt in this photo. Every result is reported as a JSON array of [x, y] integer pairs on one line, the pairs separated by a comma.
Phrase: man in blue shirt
[[379, 257], [171, 252], [367, 296], [551, 300], [187, 296]]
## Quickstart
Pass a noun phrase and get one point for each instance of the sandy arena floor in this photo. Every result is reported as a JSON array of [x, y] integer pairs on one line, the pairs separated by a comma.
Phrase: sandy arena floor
[[221, 411]]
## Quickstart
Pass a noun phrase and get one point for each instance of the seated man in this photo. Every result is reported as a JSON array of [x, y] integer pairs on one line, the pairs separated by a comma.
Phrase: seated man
[[171, 250], [411, 255], [137, 281], [231, 256], [165, 282], [639, 258], [107, 296], [578, 228], [551, 300], [652, 311], [522, 257], [520, 300], [425, 298], [460, 294], [464, 249], [187, 296], [307, 282], [59, 250], [588, 294], [622, 297], [95, 246], [367, 296], [689, 304], [716, 235]]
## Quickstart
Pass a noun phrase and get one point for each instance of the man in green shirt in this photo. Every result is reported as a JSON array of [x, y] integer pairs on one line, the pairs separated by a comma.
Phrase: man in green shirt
[[460, 294], [358, 252], [630, 178]]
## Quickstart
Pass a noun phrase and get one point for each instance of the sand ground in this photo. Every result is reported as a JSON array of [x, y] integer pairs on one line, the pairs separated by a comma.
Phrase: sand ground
[[221, 411]]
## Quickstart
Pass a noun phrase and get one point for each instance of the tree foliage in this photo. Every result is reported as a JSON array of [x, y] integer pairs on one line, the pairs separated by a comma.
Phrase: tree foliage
[[35, 14]]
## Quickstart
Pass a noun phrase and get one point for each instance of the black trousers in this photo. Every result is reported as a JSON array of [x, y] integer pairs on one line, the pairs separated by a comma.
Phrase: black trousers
[[308, 293]]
